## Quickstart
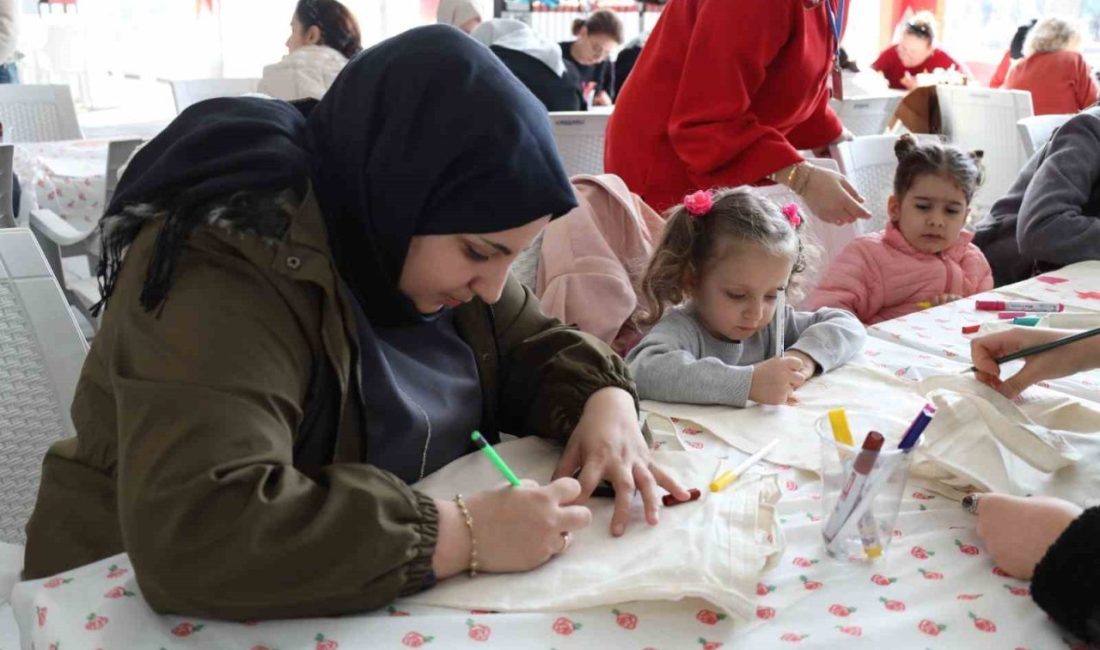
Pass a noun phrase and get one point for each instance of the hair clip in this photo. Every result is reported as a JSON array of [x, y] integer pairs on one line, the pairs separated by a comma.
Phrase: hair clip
[[793, 217], [698, 203]]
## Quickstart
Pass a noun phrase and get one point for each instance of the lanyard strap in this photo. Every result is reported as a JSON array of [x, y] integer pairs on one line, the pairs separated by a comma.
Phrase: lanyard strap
[[836, 21]]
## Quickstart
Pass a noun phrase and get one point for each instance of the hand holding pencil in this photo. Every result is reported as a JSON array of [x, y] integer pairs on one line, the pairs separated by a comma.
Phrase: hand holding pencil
[[1050, 364]]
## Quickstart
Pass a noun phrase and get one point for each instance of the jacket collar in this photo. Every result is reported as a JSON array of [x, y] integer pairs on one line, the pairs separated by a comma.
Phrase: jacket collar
[[892, 237]]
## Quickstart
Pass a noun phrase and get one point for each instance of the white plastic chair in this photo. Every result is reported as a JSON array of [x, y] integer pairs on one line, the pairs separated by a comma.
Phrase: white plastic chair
[[1035, 131], [192, 91], [580, 138], [60, 240], [869, 163], [866, 115], [829, 238], [41, 353], [983, 118], [7, 195], [38, 113]]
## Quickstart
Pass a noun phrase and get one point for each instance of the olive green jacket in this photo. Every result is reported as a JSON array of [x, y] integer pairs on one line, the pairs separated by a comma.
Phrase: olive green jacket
[[188, 420]]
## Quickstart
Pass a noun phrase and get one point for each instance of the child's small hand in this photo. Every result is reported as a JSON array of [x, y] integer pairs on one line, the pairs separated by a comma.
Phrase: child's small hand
[[809, 366], [774, 380], [944, 298]]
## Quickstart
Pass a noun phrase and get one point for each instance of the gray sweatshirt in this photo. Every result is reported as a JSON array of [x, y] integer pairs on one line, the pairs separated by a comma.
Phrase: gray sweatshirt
[[1051, 215], [679, 361]]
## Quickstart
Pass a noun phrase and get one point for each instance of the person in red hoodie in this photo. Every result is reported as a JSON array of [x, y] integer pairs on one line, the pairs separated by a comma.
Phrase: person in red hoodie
[[724, 94]]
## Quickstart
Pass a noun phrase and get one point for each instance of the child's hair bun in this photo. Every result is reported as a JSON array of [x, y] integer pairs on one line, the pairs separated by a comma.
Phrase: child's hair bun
[[905, 145]]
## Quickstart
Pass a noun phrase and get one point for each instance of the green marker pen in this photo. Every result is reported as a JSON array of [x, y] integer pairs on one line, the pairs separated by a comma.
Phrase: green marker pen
[[480, 441]]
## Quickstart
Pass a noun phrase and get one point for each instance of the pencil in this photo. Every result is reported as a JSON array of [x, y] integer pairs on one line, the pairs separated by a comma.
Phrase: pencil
[[1044, 347]]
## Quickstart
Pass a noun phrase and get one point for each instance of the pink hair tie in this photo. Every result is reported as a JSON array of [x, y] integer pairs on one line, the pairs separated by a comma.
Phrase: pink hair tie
[[698, 203], [793, 217]]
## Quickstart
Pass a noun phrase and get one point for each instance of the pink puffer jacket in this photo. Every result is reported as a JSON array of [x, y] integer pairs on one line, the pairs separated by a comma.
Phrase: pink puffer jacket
[[881, 276]]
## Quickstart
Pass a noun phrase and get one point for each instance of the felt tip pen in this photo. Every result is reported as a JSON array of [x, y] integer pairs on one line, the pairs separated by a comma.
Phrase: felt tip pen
[[780, 322], [1017, 305], [838, 420], [868, 534], [720, 483], [849, 495], [497, 461], [1027, 321], [1009, 315], [920, 423]]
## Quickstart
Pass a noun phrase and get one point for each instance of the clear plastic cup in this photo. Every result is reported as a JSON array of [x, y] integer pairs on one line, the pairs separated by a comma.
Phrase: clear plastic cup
[[866, 534]]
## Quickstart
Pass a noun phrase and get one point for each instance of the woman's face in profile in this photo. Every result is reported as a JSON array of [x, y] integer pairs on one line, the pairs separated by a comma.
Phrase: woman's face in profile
[[449, 270], [300, 36]]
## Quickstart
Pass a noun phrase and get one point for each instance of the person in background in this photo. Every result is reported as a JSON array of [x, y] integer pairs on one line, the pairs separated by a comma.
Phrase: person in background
[[463, 14], [1053, 70], [1052, 542], [914, 53], [596, 38], [537, 62], [924, 254], [685, 122], [1015, 53], [711, 289], [626, 59], [323, 36], [9, 38], [1050, 216]]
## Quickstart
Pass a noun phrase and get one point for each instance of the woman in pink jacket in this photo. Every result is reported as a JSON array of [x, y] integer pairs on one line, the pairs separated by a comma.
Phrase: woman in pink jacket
[[924, 256]]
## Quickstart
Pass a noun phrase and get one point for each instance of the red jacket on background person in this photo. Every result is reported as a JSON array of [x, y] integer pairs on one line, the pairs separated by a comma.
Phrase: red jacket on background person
[[1059, 82], [724, 94], [891, 67]]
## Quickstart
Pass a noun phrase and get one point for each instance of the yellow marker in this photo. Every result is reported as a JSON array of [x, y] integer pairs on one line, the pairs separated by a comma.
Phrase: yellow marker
[[723, 480], [841, 433], [924, 304]]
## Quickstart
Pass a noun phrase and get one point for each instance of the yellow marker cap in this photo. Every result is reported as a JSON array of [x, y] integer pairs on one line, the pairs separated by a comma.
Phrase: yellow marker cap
[[924, 305], [723, 481], [841, 433]]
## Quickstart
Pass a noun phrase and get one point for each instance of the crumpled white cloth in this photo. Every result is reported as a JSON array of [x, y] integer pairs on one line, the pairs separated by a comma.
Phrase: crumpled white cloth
[[714, 548]]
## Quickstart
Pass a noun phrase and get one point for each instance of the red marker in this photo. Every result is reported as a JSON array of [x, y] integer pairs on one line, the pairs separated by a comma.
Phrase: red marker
[[670, 500], [971, 329], [850, 495], [1017, 305]]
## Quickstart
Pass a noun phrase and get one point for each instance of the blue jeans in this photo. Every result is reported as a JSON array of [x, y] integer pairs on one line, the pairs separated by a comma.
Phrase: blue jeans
[[9, 74]]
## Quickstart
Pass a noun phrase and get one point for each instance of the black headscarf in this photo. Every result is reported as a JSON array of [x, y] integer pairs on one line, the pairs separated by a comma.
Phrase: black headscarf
[[424, 134]]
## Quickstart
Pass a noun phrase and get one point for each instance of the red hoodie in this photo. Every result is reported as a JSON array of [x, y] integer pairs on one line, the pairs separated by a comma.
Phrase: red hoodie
[[725, 92]]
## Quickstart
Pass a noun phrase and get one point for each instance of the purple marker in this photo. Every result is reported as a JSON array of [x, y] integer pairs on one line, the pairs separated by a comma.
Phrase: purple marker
[[917, 427]]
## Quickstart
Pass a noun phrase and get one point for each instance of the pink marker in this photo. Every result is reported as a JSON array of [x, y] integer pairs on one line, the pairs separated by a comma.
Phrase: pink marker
[[1017, 305], [1009, 315]]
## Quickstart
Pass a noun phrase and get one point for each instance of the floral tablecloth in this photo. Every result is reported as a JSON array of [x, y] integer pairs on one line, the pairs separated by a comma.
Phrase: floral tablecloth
[[67, 177]]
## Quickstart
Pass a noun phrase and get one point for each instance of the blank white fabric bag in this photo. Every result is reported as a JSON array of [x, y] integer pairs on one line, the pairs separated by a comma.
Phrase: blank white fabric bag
[[714, 548]]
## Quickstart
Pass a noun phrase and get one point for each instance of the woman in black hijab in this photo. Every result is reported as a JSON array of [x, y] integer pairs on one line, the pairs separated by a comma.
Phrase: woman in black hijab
[[305, 316]]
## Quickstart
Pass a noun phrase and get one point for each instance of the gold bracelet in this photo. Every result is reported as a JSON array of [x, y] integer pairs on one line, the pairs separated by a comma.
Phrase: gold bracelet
[[461, 503], [793, 174], [801, 189]]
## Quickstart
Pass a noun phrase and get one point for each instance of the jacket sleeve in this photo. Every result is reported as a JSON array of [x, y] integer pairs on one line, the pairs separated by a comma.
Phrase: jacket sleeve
[[1065, 580], [721, 141], [216, 518], [976, 270], [831, 337], [852, 282], [821, 129], [548, 370], [1051, 226]]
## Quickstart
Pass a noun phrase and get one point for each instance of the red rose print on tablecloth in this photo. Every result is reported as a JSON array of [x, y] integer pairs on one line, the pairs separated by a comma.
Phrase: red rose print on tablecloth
[[850, 630], [709, 645], [841, 610], [791, 637], [393, 611], [765, 613], [115, 571], [625, 620], [708, 617], [763, 589], [983, 624], [477, 631], [415, 639], [1088, 295], [810, 585], [882, 580], [54, 583], [967, 549], [803, 562], [1051, 279], [931, 628], [186, 629], [325, 644], [969, 596], [96, 622], [931, 575], [565, 627], [998, 571], [693, 444], [893, 605], [118, 592], [41, 612], [1018, 591]]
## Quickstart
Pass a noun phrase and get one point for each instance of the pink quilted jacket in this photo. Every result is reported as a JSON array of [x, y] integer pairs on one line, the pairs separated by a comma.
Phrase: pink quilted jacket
[[881, 276]]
